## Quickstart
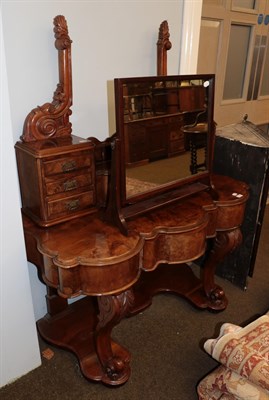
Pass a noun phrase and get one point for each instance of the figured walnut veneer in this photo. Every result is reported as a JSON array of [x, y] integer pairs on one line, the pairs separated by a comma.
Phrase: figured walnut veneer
[[57, 179], [87, 256]]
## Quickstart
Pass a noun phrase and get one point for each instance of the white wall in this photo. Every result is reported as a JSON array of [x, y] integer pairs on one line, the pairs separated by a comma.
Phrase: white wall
[[19, 347], [110, 39]]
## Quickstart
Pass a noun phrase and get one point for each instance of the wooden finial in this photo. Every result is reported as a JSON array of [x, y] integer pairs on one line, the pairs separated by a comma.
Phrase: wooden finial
[[163, 45]]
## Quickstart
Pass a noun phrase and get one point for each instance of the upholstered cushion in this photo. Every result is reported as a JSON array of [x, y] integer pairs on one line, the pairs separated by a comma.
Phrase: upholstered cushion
[[224, 384], [244, 355], [244, 350]]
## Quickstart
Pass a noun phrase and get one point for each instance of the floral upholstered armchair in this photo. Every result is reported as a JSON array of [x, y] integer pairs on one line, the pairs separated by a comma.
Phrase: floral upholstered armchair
[[243, 354]]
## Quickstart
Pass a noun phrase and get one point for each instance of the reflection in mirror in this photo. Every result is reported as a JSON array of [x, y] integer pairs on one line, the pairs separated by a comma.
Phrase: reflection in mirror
[[164, 130]]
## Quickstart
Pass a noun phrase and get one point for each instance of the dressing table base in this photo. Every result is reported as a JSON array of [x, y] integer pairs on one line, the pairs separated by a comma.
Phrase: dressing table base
[[85, 326]]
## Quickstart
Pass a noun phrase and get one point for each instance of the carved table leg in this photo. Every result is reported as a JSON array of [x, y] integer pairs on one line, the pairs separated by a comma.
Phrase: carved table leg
[[112, 310], [224, 243], [75, 329]]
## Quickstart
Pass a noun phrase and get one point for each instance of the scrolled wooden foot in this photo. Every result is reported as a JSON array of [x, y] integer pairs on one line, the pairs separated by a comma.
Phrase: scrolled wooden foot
[[217, 299], [117, 371], [115, 364]]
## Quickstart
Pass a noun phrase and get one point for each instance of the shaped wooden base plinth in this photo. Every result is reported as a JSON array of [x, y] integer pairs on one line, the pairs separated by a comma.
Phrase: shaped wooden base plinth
[[85, 326], [74, 330]]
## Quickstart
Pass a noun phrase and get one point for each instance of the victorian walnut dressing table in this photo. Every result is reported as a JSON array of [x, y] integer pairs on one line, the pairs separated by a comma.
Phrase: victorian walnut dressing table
[[93, 227]]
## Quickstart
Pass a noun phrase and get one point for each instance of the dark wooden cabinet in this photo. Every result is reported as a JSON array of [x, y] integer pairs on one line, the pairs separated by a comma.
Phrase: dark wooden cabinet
[[57, 179], [153, 138], [154, 117], [242, 152], [137, 143], [158, 136], [176, 138], [191, 98]]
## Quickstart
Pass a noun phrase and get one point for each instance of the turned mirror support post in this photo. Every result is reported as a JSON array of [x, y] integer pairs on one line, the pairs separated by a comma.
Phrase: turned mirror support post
[[113, 212]]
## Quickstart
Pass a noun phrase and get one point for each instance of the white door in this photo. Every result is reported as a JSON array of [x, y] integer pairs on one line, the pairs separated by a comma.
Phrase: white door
[[234, 44]]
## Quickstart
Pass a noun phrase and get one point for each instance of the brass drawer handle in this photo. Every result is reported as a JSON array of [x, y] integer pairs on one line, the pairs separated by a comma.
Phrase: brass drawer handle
[[69, 166], [70, 185], [72, 205]]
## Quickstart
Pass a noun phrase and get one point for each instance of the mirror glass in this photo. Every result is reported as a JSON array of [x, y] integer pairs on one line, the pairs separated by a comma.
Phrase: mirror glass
[[165, 126]]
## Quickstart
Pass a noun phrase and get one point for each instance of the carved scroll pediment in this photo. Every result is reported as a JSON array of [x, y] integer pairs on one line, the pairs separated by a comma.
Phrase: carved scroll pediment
[[52, 119]]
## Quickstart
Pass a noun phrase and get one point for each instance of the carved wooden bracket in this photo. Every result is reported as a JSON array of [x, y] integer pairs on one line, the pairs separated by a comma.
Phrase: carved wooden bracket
[[52, 119], [163, 45]]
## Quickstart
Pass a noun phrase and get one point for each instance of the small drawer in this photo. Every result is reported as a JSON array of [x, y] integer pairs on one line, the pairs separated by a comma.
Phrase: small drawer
[[176, 134], [68, 184], [71, 204], [68, 163]]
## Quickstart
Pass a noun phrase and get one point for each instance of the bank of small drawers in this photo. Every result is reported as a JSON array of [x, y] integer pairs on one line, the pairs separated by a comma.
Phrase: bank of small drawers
[[57, 187], [68, 183]]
